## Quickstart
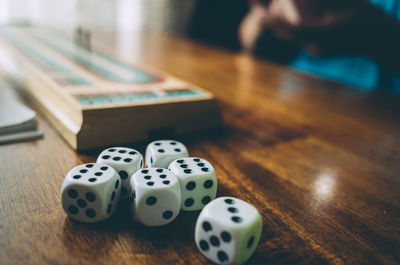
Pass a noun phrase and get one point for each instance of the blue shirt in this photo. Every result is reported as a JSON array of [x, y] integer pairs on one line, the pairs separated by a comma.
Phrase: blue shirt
[[356, 71]]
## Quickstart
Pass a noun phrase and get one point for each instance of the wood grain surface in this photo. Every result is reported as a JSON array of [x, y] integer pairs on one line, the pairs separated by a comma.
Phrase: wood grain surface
[[320, 162]]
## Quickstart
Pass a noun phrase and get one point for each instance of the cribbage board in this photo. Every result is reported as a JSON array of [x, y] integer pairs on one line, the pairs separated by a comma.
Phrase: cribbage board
[[95, 100]]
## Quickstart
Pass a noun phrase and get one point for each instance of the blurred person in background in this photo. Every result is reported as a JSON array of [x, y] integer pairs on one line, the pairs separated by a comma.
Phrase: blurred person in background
[[356, 42]]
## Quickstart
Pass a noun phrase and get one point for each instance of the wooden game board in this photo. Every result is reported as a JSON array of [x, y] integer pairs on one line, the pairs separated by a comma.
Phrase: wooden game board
[[95, 100]]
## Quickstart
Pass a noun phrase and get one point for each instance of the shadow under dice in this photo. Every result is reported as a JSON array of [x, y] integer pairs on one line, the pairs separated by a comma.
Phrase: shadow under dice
[[156, 196], [125, 161], [162, 153], [228, 230], [90, 192], [198, 182]]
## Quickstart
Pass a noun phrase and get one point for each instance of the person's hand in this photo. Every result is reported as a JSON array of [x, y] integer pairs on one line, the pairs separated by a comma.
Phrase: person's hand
[[321, 26]]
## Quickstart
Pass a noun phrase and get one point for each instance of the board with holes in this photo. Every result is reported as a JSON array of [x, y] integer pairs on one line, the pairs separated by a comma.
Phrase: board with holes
[[96, 100]]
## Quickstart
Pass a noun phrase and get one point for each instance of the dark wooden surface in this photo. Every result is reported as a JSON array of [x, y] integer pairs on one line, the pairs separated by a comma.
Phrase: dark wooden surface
[[320, 161]]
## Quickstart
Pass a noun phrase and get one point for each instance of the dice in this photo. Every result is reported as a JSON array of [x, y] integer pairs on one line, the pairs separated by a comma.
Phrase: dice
[[228, 230], [162, 153], [198, 182], [90, 192], [125, 161], [156, 196]]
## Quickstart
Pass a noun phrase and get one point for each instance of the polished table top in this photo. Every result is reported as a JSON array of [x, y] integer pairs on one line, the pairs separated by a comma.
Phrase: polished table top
[[319, 161]]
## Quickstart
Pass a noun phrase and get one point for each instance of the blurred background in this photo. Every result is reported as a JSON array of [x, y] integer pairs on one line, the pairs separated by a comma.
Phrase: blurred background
[[112, 15], [360, 54], [206, 20]]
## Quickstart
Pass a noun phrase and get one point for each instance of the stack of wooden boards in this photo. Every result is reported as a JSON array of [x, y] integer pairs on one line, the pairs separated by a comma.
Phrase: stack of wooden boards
[[95, 100]]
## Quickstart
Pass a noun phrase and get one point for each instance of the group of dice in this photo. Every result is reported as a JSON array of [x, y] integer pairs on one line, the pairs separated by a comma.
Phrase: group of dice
[[227, 229]]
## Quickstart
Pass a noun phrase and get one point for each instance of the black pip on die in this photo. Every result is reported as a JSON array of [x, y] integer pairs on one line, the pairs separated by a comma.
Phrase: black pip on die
[[90, 192], [156, 196], [125, 161], [228, 230], [162, 153], [198, 182]]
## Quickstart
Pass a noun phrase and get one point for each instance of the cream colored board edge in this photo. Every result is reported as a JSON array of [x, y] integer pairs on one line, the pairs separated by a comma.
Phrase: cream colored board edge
[[41, 88], [106, 51], [35, 84], [181, 118], [204, 97], [79, 141], [95, 80], [37, 89], [69, 136]]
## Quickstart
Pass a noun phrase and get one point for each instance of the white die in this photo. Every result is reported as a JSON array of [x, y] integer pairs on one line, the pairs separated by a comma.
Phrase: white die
[[198, 182], [156, 196], [90, 192], [228, 230], [161, 153], [125, 161]]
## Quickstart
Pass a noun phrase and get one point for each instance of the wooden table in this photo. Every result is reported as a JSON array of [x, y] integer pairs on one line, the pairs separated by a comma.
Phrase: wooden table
[[320, 161]]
